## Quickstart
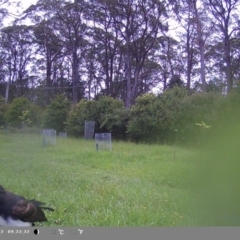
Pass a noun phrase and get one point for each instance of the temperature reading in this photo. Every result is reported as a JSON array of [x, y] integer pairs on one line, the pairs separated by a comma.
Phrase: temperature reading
[[1, 231], [80, 231]]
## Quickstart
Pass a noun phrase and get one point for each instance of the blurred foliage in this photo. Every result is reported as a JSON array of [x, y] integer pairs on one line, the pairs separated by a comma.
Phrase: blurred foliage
[[56, 113], [216, 179], [3, 110], [197, 108], [21, 112]]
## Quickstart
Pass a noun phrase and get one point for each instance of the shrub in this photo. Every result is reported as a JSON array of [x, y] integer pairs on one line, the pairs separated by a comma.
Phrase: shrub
[[3, 110], [154, 118], [108, 113], [141, 124], [56, 113], [22, 112], [110, 116], [85, 110]]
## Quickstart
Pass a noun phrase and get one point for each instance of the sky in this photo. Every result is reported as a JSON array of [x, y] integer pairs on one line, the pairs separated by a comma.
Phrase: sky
[[27, 3], [24, 5]]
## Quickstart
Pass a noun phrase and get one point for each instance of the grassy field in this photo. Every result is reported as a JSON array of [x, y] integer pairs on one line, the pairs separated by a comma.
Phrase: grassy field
[[132, 185]]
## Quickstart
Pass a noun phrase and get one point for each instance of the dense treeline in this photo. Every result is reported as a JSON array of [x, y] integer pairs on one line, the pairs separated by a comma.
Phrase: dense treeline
[[173, 116], [66, 61], [85, 49]]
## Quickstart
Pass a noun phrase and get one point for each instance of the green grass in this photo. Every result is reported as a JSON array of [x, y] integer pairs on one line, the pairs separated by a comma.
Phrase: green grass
[[132, 185]]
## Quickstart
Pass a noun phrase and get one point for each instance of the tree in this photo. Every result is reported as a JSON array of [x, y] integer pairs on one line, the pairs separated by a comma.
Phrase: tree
[[60, 32], [48, 45], [201, 42], [192, 17], [223, 12], [71, 23], [168, 59], [106, 42], [46, 42], [17, 51], [139, 24]]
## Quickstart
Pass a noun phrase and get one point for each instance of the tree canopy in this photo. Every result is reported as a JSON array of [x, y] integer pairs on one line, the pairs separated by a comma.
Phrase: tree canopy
[[122, 49]]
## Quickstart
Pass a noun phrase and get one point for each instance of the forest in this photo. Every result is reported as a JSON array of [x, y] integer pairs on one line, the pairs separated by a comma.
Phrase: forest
[[123, 50]]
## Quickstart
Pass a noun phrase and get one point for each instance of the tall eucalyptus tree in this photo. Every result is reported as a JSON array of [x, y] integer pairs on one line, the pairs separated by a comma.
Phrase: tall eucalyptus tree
[[225, 14], [60, 32], [107, 45], [73, 28], [16, 47], [137, 25], [197, 29]]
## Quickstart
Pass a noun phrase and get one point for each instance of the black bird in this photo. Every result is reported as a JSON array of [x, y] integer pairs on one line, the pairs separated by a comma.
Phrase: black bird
[[17, 211]]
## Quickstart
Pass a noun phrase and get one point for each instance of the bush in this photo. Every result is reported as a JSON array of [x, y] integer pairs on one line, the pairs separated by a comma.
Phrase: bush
[[141, 125], [22, 113], [85, 110], [108, 113], [110, 116], [153, 118], [56, 113], [3, 110]]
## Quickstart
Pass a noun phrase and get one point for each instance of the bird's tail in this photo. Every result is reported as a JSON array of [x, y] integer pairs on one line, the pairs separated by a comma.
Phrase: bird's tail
[[40, 204]]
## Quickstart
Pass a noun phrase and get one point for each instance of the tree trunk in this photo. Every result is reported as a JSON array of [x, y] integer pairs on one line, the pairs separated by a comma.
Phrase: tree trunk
[[201, 48], [135, 85], [75, 77], [189, 59], [7, 91], [228, 63], [128, 75], [48, 80]]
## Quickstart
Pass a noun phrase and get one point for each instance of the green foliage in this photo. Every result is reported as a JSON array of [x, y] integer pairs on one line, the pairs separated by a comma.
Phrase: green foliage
[[153, 118], [216, 176], [3, 110], [229, 107], [172, 116], [170, 102], [56, 113], [142, 124], [108, 113], [22, 113], [25, 118], [197, 108], [85, 110]]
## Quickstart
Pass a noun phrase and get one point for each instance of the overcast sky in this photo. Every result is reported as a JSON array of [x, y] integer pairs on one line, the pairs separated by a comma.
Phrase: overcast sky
[[13, 10], [27, 3]]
